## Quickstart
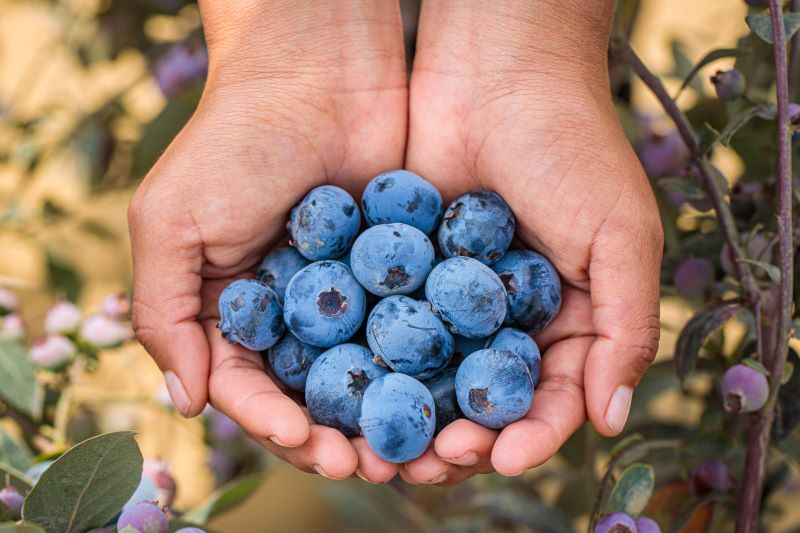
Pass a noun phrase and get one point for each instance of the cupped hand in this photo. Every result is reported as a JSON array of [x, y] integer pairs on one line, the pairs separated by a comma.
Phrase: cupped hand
[[319, 98], [496, 110]]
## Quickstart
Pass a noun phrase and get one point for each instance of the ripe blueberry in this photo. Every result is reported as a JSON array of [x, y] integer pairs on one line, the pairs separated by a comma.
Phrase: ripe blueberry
[[250, 314], [533, 287], [278, 267], [144, 517], [12, 499], [325, 223], [615, 523], [477, 224], [744, 389], [521, 344], [646, 525], [443, 390], [291, 359], [402, 196], [729, 84]]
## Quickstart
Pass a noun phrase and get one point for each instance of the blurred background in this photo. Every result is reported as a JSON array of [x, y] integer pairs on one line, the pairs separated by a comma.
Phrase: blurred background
[[92, 91]]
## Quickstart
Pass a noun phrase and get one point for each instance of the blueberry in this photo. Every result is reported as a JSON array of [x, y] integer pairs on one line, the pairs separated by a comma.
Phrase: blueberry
[[646, 525], [494, 388], [465, 346], [405, 335], [144, 517], [479, 225], [711, 475], [533, 287], [468, 296], [324, 304], [521, 344], [692, 276], [392, 259], [291, 359], [402, 196], [12, 499], [146, 491], [250, 314], [663, 155], [398, 418], [744, 389], [336, 384], [190, 530], [615, 523], [729, 84], [443, 390], [325, 223], [278, 267]]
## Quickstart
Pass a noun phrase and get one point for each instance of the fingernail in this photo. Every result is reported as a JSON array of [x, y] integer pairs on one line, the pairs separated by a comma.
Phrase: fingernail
[[277, 441], [360, 474], [318, 469], [468, 459], [441, 478], [618, 408], [177, 392]]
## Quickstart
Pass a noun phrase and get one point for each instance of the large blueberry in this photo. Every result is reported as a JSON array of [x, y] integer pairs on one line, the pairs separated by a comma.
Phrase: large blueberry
[[278, 267], [392, 259], [325, 223], [291, 359], [402, 196], [477, 224], [534, 289], [250, 314], [520, 343], [443, 390], [494, 388], [465, 346], [336, 384], [468, 296], [398, 418], [405, 335], [324, 305], [615, 523]]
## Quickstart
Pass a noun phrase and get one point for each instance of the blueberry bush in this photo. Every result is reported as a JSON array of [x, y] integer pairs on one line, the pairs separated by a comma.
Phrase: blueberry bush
[[712, 442]]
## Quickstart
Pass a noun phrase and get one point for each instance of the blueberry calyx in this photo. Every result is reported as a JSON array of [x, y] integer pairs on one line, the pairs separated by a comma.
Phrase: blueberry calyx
[[479, 399], [359, 381], [331, 302]]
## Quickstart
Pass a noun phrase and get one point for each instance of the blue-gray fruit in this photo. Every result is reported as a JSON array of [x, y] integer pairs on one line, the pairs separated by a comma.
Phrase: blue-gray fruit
[[291, 360], [533, 287], [325, 223], [477, 224], [278, 267], [402, 196], [250, 314], [521, 344]]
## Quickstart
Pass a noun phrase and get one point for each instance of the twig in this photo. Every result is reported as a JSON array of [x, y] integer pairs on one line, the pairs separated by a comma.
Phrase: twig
[[716, 195], [776, 327], [794, 55]]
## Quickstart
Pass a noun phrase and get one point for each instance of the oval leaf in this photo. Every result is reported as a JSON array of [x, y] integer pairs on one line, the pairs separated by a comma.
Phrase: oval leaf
[[18, 385], [697, 330], [18, 479], [223, 499], [24, 527], [13, 452], [633, 490], [762, 25], [86, 486]]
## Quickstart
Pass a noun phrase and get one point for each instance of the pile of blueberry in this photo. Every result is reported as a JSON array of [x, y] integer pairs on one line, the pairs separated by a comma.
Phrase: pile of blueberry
[[390, 336]]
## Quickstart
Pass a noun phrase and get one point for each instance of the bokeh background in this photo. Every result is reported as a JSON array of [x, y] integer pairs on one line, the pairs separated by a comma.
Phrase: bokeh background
[[91, 91]]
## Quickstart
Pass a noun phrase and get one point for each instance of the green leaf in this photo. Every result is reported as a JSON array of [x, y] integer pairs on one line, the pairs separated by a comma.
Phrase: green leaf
[[683, 66], [18, 385], [710, 57], [5, 513], [771, 270], [685, 186], [63, 276], [633, 490], [18, 479], [88, 485], [709, 445], [787, 416], [761, 25], [224, 498], [627, 442], [756, 365], [697, 330], [20, 527], [788, 372], [740, 120], [13, 452], [708, 136]]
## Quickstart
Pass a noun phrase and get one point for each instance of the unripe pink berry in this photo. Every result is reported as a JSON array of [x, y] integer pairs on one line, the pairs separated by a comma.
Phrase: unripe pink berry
[[663, 155], [116, 306], [615, 523], [711, 475], [158, 472], [12, 327], [692, 276], [52, 351], [646, 525], [103, 332], [744, 389], [729, 84], [8, 301], [12, 499], [144, 517], [63, 317]]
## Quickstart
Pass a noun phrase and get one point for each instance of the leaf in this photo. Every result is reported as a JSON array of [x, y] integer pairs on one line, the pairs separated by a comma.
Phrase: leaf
[[18, 479], [708, 136], [13, 452], [788, 409], [633, 490], [18, 385], [708, 445], [697, 330], [685, 186], [629, 441], [684, 66], [710, 57], [761, 25], [87, 486], [771, 270], [788, 372], [740, 120], [63, 277], [223, 499], [24, 527], [756, 365]]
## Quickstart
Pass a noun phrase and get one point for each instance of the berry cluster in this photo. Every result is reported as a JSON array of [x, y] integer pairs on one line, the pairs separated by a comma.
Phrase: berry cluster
[[392, 335]]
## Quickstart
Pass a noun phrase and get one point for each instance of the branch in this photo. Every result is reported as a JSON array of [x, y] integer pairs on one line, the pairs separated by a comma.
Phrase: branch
[[794, 55], [776, 327], [727, 223]]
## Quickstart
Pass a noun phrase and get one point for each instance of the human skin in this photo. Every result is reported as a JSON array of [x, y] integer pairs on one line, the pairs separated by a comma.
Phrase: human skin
[[510, 96]]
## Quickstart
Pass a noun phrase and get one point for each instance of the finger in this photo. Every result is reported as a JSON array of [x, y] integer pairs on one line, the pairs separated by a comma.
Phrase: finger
[[624, 273], [465, 443], [429, 469], [326, 452], [556, 413], [239, 387], [573, 320], [167, 259], [371, 467]]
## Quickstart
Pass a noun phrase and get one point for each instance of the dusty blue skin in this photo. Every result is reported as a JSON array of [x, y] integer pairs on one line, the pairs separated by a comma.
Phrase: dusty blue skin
[[469, 297], [615, 523], [278, 267], [336, 384], [443, 390], [494, 388], [477, 224], [398, 418], [465, 346], [534, 289], [250, 314], [291, 359], [392, 259], [402, 196], [324, 305], [521, 344], [144, 517], [325, 223], [405, 335], [646, 525]]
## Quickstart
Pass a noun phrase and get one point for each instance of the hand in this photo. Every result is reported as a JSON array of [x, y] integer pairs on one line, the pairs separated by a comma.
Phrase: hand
[[515, 99], [297, 96]]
